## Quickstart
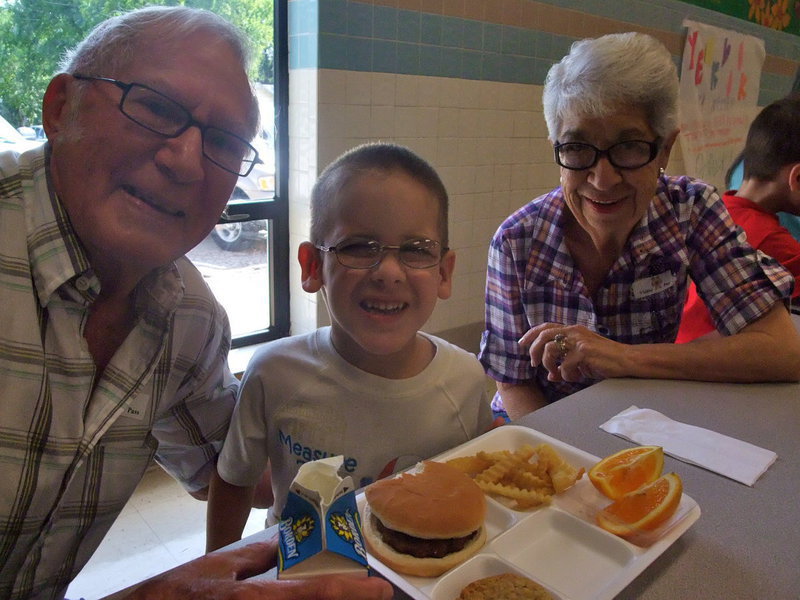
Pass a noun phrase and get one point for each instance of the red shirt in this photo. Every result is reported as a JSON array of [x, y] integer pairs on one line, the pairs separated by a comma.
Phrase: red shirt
[[765, 233]]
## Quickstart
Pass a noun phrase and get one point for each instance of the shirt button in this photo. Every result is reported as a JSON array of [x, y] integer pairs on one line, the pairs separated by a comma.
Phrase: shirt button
[[82, 284]]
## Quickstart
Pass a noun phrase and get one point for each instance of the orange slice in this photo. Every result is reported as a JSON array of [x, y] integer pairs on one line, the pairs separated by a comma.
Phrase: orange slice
[[643, 510], [627, 470]]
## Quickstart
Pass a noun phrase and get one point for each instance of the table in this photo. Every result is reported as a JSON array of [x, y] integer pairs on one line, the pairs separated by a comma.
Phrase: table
[[746, 544]]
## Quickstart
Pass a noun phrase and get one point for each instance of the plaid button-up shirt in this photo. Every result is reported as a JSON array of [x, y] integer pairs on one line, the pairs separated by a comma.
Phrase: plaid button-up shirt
[[72, 449], [686, 233]]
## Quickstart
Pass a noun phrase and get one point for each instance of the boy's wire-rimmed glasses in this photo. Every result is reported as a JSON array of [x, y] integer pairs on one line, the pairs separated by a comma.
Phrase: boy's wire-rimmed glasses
[[161, 114], [365, 254], [631, 154]]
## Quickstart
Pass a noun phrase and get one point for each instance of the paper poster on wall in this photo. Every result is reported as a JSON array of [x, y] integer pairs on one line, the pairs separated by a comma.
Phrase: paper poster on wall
[[720, 80]]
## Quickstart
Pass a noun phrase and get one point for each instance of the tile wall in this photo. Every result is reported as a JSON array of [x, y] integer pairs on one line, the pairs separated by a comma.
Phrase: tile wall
[[460, 82]]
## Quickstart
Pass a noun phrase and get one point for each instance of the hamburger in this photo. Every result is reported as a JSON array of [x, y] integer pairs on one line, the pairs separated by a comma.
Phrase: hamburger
[[425, 522]]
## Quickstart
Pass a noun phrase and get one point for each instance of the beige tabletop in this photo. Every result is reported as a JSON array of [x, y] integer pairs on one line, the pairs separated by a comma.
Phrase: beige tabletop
[[746, 544]]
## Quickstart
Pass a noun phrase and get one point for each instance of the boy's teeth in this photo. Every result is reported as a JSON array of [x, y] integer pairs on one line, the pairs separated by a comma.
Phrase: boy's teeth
[[383, 306]]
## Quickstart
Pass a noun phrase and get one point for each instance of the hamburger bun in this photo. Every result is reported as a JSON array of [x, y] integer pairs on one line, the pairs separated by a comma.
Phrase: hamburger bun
[[426, 521]]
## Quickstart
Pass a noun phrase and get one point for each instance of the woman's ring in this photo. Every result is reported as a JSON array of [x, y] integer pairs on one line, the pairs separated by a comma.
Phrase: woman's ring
[[561, 343]]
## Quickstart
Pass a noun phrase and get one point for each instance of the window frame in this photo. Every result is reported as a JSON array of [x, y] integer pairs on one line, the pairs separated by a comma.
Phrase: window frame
[[275, 209]]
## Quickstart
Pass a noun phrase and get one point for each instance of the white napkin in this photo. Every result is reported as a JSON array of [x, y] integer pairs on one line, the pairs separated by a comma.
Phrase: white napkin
[[725, 455]]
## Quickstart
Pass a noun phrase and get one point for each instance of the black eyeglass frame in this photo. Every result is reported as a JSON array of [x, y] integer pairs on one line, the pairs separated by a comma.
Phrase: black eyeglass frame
[[190, 121], [381, 252], [654, 146]]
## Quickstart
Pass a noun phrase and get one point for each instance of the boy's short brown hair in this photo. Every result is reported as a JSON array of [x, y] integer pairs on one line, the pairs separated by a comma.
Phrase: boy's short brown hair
[[773, 140], [377, 156]]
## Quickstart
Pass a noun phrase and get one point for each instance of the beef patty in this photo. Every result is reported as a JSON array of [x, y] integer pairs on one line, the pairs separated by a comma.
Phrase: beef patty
[[421, 547]]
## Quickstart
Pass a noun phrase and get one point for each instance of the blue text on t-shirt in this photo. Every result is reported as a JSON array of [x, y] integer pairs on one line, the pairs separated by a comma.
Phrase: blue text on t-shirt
[[306, 453]]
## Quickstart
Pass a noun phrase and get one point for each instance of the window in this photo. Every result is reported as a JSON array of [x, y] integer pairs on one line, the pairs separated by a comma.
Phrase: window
[[245, 259]]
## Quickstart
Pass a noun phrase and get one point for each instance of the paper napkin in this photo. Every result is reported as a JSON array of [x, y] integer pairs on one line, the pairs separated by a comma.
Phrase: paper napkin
[[725, 455]]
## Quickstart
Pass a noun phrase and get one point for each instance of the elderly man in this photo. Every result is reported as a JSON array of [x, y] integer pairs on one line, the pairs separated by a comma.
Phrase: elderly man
[[112, 349]]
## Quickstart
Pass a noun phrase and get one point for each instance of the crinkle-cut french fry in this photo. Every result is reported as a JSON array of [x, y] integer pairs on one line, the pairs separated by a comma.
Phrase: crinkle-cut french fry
[[530, 481], [471, 465], [526, 477], [528, 497], [548, 455], [496, 472], [494, 456], [565, 476], [526, 451]]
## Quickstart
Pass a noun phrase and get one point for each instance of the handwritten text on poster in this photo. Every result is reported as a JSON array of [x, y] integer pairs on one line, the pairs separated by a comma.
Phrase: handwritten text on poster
[[720, 79]]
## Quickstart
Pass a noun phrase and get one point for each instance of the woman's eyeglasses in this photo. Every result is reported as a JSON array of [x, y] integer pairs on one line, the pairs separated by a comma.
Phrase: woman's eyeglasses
[[631, 154]]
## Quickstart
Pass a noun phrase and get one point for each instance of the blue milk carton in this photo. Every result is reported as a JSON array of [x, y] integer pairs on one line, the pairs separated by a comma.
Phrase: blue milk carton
[[320, 528]]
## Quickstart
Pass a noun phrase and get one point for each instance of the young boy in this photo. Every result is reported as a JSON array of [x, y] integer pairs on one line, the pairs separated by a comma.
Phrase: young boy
[[370, 387], [771, 184]]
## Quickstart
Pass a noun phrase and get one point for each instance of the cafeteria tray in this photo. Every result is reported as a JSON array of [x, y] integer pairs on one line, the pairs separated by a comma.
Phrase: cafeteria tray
[[559, 546]]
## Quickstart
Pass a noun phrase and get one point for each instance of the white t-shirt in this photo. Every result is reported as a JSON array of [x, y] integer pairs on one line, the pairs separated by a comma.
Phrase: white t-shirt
[[301, 401]]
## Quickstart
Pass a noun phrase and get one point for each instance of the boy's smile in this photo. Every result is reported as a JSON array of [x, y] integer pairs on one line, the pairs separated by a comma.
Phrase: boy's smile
[[383, 307], [376, 312]]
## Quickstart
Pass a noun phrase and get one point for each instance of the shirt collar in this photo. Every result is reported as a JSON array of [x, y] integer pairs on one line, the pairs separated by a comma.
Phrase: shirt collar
[[551, 261], [56, 254], [643, 239], [642, 243]]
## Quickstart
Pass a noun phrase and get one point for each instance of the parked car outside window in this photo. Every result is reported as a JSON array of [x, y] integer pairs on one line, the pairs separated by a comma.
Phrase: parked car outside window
[[11, 139], [259, 184]]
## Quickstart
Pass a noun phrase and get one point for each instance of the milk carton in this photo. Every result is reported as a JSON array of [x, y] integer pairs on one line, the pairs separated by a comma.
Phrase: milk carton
[[320, 528]]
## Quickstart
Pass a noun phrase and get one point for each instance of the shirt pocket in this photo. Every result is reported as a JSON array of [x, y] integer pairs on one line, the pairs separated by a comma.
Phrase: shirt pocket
[[554, 301], [655, 317]]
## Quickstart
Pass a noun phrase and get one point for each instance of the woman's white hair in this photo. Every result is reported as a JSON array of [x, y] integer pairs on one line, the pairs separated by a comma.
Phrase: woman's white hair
[[111, 46], [600, 75]]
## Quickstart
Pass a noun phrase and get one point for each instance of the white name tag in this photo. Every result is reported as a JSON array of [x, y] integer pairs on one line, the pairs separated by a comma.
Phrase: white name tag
[[642, 288]]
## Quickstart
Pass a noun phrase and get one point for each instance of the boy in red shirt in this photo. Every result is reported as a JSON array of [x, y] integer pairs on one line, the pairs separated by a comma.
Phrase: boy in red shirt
[[771, 184]]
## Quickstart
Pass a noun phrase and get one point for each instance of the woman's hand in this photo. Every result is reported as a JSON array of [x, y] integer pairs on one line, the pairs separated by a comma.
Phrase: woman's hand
[[574, 353]]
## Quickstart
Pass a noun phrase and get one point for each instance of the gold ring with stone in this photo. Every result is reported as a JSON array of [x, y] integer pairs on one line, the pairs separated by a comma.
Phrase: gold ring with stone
[[561, 343]]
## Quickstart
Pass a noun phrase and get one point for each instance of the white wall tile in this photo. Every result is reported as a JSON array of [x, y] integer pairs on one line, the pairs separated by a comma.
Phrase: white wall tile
[[332, 86], [448, 124], [407, 90], [358, 87], [382, 122], [429, 92], [383, 89]]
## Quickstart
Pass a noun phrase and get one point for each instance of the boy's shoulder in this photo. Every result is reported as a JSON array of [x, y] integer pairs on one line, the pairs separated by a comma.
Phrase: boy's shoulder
[[451, 352], [294, 349]]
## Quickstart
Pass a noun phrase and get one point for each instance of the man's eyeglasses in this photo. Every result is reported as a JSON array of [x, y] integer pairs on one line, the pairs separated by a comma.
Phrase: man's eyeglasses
[[365, 254], [632, 154], [161, 114]]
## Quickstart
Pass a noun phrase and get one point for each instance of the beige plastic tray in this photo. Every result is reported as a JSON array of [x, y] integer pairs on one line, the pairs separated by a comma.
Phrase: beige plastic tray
[[558, 546]]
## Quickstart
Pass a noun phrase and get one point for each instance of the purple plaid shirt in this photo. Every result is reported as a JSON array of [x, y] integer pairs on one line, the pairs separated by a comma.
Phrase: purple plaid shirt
[[686, 233]]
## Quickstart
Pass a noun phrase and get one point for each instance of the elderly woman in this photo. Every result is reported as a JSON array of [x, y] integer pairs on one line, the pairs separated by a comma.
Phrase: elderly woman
[[588, 281]]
